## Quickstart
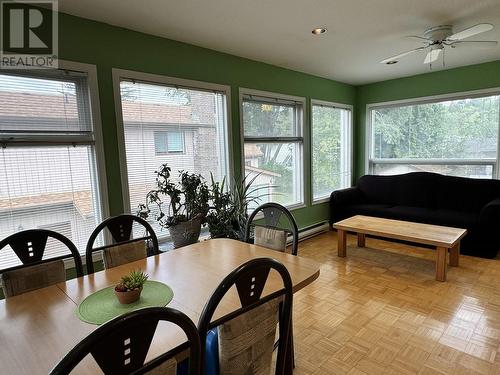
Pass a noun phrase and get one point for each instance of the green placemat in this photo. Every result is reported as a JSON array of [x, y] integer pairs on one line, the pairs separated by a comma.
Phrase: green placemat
[[103, 305]]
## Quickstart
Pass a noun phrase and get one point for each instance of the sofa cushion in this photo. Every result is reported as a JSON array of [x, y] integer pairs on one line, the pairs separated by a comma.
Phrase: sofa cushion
[[410, 213], [411, 189], [416, 189], [454, 218], [378, 210], [465, 194], [379, 189]]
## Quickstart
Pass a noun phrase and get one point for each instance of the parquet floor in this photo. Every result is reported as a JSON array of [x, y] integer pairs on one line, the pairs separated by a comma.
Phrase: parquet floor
[[380, 311]]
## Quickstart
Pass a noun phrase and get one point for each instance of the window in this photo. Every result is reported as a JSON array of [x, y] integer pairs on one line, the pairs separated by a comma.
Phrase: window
[[273, 142], [456, 136], [331, 148], [48, 175], [183, 126], [169, 142]]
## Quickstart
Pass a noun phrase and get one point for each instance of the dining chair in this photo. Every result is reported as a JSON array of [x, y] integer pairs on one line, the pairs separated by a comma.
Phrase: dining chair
[[273, 232], [245, 337], [121, 345], [36, 272], [124, 249]]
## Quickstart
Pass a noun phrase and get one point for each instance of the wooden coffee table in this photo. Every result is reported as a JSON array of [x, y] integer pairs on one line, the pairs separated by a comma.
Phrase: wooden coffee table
[[444, 238]]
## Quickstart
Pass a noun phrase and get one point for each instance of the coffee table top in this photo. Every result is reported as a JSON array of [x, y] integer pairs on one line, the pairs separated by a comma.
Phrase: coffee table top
[[435, 235]]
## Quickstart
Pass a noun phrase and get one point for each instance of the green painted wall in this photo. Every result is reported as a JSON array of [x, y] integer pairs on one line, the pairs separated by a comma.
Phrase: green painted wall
[[473, 77], [110, 47]]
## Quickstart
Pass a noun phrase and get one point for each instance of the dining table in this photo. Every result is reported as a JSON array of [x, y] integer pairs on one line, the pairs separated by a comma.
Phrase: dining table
[[38, 328]]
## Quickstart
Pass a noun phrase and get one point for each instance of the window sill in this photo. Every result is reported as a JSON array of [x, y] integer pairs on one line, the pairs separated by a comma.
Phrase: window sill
[[320, 201]]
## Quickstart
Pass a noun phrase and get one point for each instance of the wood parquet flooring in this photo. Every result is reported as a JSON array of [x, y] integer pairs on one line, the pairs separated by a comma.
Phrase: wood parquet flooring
[[380, 311]]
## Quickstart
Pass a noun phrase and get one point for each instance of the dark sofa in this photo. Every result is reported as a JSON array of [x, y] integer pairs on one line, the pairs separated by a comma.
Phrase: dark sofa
[[473, 204]]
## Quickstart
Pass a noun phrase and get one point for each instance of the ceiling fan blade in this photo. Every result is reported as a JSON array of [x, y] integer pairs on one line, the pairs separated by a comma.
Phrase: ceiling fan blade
[[432, 56], [474, 43], [394, 58], [471, 31], [420, 39]]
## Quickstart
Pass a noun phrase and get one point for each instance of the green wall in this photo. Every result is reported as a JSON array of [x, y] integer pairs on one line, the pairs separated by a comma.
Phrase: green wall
[[110, 47], [473, 77]]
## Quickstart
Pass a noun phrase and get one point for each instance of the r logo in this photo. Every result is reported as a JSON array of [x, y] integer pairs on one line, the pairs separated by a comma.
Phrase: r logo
[[28, 28]]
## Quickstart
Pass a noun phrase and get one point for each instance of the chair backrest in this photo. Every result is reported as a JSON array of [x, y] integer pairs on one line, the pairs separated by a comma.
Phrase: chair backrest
[[120, 228], [36, 272], [250, 330], [278, 224], [121, 345]]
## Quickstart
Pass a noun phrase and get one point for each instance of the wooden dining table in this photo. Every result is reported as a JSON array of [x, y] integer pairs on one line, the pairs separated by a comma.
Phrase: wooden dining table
[[38, 328]]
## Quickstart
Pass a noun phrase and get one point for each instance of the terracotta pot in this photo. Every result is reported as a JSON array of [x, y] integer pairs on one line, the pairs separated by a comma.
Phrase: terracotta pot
[[186, 232], [128, 297]]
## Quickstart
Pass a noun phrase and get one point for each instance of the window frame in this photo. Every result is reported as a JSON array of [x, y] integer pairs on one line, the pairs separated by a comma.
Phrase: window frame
[[166, 134], [124, 74], [370, 161], [302, 126], [349, 140], [95, 140]]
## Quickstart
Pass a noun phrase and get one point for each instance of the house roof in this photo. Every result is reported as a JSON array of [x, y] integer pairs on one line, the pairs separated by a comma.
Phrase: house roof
[[82, 200], [64, 107]]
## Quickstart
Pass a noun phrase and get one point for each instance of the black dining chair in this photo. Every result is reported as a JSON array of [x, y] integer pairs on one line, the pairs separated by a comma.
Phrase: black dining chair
[[121, 345], [36, 272], [245, 337], [124, 248], [278, 224]]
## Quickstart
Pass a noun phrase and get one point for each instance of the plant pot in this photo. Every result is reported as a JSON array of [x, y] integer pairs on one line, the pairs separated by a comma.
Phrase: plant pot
[[186, 232], [128, 297]]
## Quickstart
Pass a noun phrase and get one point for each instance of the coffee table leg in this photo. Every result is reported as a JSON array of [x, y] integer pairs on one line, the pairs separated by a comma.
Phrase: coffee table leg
[[361, 240], [341, 243], [441, 263], [454, 255]]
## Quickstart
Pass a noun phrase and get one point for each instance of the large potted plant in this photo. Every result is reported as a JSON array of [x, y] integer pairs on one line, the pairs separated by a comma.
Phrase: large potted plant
[[181, 207], [228, 214]]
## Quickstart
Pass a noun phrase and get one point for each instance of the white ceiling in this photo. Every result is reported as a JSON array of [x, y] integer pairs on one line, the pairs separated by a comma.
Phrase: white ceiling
[[360, 32]]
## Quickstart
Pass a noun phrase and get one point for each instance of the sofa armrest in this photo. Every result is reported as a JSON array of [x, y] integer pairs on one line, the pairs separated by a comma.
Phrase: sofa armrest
[[340, 199], [346, 197], [490, 213]]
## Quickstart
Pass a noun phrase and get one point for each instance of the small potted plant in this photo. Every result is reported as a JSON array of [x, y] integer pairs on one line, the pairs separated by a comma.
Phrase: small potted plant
[[130, 287]]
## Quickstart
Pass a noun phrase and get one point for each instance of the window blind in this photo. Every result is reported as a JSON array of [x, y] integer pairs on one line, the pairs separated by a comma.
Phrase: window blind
[[157, 116], [273, 149], [47, 182]]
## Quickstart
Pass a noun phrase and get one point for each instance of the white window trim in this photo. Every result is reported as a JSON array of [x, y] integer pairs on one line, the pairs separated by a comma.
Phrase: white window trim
[[350, 139], [122, 74], [304, 124], [425, 100]]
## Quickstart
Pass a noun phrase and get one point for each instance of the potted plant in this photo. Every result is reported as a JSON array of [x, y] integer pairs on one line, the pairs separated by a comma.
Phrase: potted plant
[[130, 287], [228, 214], [181, 207]]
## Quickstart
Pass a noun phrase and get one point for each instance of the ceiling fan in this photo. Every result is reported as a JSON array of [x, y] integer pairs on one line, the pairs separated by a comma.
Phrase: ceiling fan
[[436, 39]]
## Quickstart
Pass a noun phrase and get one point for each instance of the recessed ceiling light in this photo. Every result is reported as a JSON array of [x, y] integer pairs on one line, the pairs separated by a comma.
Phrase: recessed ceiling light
[[319, 31], [392, 62]]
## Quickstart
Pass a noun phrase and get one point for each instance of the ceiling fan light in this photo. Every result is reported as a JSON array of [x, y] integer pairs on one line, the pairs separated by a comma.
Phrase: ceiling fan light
[[319, 30]]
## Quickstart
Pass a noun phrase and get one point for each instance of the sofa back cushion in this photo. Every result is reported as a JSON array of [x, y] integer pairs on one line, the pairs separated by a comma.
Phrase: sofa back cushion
[[411, 189], [466, 194]]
